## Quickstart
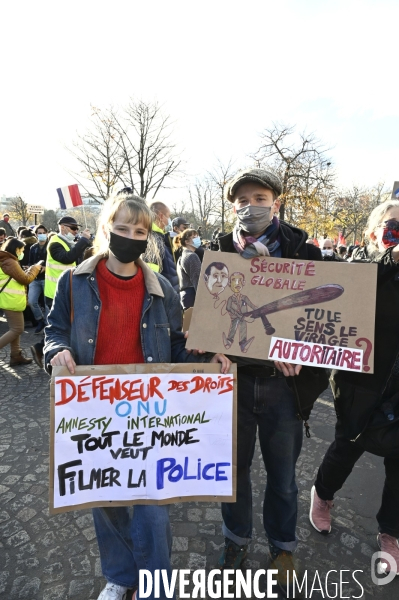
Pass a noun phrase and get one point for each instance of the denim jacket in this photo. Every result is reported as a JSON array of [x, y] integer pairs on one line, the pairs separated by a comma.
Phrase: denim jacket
[[162, 339]]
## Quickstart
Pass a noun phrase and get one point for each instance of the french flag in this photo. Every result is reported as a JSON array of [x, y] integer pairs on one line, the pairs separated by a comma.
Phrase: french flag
[[69, 196]]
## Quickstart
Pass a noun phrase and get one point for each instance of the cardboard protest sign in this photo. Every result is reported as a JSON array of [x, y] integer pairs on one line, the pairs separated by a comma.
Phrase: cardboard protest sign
[[313, 313], [395, 191], [142, 434], [187, 319]]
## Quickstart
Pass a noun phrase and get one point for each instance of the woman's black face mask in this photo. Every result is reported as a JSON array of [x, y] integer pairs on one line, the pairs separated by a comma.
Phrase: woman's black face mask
[[125, 249]]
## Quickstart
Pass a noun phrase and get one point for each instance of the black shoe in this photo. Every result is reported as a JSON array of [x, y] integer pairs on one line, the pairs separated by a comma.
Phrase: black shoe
[[37, 354], [40, 326], [283, 561], [233, 555]]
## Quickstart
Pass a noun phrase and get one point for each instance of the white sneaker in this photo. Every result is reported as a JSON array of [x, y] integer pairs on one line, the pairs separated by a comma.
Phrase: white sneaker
[[113, 592]]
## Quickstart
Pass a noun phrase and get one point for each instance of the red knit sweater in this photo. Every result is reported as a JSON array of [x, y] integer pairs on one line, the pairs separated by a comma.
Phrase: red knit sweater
[[118, 340]]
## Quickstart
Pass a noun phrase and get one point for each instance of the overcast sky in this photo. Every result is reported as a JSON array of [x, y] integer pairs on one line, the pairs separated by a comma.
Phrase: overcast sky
[[224, 71]]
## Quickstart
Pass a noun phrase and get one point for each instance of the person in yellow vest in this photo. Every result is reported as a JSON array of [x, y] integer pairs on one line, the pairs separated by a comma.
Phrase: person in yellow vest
[[62, 254], [13, 282]]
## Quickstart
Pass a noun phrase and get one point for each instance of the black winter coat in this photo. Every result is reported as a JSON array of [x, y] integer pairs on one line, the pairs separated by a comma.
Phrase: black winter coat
[[358, 395], [168, 262], [29, 242], [311, 381], [67, 257], [36, 253]]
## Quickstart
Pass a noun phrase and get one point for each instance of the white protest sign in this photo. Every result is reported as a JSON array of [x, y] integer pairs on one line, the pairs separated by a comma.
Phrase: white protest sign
[[316, 355], [35, 209], [142, 437]]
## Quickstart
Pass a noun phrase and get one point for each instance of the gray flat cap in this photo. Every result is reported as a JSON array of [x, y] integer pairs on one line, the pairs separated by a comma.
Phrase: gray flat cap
[[267, 179]]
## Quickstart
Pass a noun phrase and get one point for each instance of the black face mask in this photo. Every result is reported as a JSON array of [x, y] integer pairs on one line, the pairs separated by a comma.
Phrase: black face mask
[[125, 249]]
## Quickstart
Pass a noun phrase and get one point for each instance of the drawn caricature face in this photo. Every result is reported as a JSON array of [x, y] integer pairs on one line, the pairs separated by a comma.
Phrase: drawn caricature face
[[216, 278], [237, 282]]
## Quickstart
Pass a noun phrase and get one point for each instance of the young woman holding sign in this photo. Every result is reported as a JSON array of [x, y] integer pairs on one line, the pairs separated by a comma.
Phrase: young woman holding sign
[[120, 312], [367, 405]]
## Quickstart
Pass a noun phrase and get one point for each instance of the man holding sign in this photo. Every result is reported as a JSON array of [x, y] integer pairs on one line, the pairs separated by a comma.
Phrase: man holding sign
[[266, 398]]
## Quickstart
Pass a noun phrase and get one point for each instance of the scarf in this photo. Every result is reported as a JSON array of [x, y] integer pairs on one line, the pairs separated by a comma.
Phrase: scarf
[[248, 246]]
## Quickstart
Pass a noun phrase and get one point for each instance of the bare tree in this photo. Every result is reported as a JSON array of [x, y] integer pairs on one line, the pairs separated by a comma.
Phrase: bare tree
[[204, 202], [219, 176], [352, 209], [380, 193], [132, 148], [50, 219], [302, 164], [98, 153], [147, 148], [18, 209], [185, 211]]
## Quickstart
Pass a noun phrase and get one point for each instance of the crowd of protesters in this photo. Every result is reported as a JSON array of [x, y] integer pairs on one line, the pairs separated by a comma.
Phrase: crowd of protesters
[[140, 254]]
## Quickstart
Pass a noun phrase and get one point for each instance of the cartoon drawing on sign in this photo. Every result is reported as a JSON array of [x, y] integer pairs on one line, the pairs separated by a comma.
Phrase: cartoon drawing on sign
[[216, 278], [237, 307], [322, 293]]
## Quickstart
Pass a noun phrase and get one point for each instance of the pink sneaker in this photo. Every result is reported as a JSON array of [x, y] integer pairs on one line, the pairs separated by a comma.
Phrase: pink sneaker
[[390, 545], [319, 514]]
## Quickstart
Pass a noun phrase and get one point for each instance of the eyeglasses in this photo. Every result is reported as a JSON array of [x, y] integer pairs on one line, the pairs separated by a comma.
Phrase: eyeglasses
[[73, 228]]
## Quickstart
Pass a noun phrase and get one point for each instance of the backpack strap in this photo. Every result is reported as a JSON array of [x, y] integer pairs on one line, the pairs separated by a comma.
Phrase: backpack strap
[[6, 283]]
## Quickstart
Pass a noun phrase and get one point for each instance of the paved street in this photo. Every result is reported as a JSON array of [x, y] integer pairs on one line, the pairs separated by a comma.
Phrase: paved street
[[54, 558]]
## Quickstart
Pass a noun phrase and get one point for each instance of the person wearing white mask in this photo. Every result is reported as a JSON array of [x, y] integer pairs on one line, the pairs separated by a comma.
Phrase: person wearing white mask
[[327, 251], [188, 267], [62, 254], [38, 252]]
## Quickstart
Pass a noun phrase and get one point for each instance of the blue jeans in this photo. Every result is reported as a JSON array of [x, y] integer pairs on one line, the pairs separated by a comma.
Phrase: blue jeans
[[35, 289], [267, 405], [129, 543]]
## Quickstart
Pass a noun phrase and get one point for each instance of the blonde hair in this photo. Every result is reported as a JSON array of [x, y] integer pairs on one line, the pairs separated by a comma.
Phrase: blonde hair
[[375, 219], [137, 211]]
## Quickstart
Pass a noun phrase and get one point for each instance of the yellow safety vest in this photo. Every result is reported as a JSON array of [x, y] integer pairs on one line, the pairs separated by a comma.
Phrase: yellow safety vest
[[54, 269], [13, 297]]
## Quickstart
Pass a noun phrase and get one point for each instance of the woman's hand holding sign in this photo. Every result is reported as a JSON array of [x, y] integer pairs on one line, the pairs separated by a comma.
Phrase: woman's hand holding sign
[[64, 359], [224, 362]]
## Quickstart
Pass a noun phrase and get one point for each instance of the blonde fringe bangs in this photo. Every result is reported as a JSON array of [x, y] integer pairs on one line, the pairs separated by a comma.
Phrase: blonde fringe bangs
[[137, 212]]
